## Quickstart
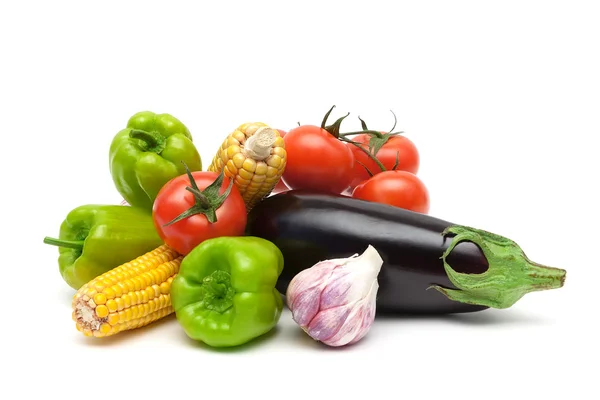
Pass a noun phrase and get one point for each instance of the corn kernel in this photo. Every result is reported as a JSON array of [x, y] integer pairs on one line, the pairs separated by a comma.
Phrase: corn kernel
[[280, 152], [261, 168], [126, 300], [259, 178], [274, 161], [241, 181], [130, 285], [271, 172], [105, 328], [165, 288], [113, 319], [107, 281], [102, 311], [231, 169], [238, 160], [112, 305], [98, 286], [100, 298], [109, 293], [139, 297], [233, 150]]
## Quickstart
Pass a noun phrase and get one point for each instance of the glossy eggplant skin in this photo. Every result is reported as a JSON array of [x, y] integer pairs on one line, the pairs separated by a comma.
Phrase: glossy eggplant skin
[[311, 227]]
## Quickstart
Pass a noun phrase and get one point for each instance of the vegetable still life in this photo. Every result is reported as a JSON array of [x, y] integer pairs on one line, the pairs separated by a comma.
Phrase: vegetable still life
[[332, 225]]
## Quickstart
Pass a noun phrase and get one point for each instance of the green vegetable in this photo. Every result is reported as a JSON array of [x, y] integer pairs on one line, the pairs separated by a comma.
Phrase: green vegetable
[[148, 153], [224, 294], [94, 239]]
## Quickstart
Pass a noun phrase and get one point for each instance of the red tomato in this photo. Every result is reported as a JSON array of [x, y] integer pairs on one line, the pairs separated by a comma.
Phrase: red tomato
[[317, 161], [408, 157], [281, 186], [173, 199], [397, 188]]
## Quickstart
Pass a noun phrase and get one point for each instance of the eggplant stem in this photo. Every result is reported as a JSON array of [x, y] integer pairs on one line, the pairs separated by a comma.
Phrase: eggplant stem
[[509, 277]]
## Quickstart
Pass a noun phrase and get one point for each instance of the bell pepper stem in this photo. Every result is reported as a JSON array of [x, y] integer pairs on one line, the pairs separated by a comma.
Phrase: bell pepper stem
[[218, 292], [70, 244], [153, 141]]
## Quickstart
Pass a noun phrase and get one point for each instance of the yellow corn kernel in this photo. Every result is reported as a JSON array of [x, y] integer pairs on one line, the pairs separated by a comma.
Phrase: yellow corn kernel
[[113, 319], [249, 155], [112, 305], [101, 311], [100, 298], [130, 296]]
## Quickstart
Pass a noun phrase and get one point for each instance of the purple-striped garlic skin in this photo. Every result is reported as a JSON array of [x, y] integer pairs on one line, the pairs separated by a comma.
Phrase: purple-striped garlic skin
[[334, 300]]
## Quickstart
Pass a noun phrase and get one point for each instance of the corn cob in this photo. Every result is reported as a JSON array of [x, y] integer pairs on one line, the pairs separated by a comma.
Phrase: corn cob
[[254, 157], [129, 296]]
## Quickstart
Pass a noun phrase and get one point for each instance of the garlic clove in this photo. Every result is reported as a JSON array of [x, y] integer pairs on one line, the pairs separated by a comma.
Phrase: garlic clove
[[358, 324], [335, 300], [304, 307], [327, 323]]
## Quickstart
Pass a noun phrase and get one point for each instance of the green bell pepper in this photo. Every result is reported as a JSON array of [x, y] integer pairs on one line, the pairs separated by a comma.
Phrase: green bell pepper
[[94, 239], [224, 294], [148, 153]]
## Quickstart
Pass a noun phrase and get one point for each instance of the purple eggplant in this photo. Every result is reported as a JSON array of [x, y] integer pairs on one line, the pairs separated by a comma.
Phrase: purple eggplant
[[431, 266]]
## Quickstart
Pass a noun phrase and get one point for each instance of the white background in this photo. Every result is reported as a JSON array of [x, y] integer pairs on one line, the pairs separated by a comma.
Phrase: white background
[[501, 98]]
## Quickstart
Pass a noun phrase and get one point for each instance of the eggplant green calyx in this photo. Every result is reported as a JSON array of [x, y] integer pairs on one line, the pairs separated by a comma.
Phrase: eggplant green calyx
[[509, 277], [152, 141], [207, 201]]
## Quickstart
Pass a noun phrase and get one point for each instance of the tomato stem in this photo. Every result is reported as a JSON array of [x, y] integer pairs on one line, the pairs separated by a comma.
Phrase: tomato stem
[[365, 167], [395, 121], [370, 132], [333, 129], [397, 161], [324, 122], [368, 153], [207, 201]]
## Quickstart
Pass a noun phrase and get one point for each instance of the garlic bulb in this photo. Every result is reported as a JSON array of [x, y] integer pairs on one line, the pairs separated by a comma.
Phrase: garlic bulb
[[334, 300]]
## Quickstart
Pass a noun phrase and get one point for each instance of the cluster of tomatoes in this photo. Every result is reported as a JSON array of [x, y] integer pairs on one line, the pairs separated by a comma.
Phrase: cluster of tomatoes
[[368, 165]]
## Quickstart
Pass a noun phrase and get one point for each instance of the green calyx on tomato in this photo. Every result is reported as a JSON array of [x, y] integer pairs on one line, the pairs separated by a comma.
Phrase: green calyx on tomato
[[316, 159], [197, 206], [207, 201], [376, 152], [333, 129]]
